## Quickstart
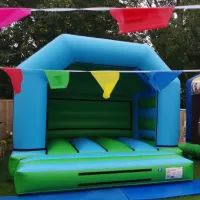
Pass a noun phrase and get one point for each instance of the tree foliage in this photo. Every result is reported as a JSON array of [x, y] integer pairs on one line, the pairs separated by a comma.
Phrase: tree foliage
[[32, 33]]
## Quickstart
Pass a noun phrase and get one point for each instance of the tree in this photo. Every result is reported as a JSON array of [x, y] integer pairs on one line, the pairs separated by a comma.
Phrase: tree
[[29, 35]]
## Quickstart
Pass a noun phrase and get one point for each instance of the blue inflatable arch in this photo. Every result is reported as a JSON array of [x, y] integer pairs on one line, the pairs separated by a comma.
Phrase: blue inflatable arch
[[30, 106]]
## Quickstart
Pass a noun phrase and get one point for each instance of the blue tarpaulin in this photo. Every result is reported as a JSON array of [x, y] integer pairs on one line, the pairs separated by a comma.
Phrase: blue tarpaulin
[[125, 193]]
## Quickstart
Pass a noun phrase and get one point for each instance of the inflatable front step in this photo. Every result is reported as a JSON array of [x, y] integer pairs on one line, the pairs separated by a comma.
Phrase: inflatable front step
[[83, 171]]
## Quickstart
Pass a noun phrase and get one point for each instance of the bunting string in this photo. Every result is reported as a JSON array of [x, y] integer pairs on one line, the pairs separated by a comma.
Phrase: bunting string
[[135, 71], [129, 19], [121, 71], [107, 79], [189, 7], [71, 9]]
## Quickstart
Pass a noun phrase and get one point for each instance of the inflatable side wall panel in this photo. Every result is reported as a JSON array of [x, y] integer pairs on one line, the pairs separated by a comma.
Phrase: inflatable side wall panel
[[30, 106]]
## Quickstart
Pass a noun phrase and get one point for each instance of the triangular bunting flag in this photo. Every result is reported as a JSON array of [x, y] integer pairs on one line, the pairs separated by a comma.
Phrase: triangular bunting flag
[[15, 76], [107, 81], [57, 79], [140, 19], [161, 80], [11, 15]]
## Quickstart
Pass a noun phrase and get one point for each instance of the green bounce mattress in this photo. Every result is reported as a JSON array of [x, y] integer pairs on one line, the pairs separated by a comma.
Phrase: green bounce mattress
[[97, 163]]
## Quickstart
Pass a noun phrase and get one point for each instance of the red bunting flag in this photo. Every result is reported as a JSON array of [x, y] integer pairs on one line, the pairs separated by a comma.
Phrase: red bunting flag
[[11, 15], [140, 19], [15, 76]]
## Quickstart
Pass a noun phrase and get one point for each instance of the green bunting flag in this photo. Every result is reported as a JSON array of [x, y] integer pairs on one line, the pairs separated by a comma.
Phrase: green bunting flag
[[57, 79]]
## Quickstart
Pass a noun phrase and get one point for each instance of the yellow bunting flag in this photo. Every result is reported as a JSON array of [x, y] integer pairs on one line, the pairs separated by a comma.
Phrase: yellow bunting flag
[[107, 81]]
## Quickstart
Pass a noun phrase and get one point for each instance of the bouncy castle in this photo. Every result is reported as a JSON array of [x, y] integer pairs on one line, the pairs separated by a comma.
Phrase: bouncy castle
[[193, 110], [191, 147], [90, 114]]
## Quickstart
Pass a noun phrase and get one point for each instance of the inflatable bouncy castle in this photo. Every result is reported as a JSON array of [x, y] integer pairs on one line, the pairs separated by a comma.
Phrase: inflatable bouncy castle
[[89, 116], [193, 110], [192, 145]]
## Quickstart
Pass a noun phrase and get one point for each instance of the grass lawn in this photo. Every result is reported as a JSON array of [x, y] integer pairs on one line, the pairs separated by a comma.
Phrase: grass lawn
[[6, 184], [7, 187]]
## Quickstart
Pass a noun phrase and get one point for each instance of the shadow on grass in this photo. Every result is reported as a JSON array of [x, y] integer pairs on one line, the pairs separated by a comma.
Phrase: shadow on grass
[[6, 183], [197, 169]]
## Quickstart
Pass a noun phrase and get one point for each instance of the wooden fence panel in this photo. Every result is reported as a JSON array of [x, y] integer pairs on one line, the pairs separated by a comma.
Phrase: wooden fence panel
[[6, 115], [182, 125]]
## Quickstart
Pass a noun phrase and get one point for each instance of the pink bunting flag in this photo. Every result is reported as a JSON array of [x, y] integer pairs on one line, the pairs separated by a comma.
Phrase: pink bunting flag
[[11, 15]]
